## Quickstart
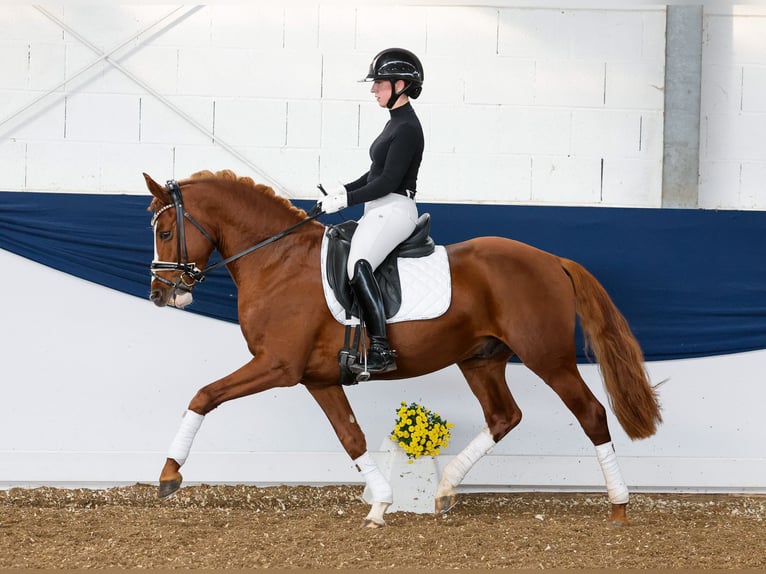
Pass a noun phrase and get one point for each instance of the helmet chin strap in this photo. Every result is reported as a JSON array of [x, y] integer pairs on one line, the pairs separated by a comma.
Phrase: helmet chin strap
[[394, 95]]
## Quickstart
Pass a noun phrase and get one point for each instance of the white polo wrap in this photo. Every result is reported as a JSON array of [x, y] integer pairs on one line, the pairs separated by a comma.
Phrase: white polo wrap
[[380, 489], [181, 445], [615, 486]]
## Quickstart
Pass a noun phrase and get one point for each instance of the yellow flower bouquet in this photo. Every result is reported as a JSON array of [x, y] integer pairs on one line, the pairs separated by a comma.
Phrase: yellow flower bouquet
[[420, 432]]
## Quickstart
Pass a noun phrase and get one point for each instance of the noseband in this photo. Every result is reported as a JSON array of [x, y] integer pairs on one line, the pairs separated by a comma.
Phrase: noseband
[[188, 270], [190, 273]]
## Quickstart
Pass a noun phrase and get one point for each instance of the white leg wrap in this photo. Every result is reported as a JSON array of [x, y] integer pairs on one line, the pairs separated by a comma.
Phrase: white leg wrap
[[380, 489], [181, 445], [615, 486], [454, 473]]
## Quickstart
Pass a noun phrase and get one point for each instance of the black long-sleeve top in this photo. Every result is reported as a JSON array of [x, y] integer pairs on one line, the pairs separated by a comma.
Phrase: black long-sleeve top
[[396, 155]]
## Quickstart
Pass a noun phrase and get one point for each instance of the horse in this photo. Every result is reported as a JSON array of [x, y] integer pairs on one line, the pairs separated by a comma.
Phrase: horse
[[508, 299]]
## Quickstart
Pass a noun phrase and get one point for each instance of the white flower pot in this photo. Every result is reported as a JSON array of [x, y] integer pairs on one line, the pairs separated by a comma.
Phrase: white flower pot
[[414, 484]]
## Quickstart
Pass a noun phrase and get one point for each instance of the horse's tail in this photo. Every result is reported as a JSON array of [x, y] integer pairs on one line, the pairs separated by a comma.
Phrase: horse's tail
[[618, 353]]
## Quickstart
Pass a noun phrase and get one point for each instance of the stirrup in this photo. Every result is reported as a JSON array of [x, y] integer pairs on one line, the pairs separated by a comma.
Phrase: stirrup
[[362, 369]]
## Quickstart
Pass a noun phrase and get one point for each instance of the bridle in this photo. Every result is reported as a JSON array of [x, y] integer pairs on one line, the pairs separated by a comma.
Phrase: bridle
[[190, 273]]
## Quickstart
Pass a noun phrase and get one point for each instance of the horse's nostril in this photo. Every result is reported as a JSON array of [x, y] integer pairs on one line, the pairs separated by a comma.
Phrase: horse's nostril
[[156, 297]]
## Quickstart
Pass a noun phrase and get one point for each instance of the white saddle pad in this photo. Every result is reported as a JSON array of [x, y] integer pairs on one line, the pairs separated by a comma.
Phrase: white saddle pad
[[426, 288]]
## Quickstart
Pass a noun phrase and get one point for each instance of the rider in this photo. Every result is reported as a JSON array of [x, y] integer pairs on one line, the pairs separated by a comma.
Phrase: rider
[[387, 190]]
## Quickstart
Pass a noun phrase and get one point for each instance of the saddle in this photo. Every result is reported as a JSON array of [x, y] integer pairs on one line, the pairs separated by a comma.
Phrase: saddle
[[418, 244]]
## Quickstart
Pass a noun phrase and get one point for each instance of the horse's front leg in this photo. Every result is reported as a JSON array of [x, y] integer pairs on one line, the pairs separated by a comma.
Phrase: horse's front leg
[[332, 399], [260, 374]]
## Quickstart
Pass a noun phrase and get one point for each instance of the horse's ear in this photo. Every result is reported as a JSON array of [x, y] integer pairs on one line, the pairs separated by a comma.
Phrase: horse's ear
[[157, 190]]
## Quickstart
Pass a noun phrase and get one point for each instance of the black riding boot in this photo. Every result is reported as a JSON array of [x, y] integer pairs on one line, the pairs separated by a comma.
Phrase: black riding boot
[[380, 358]]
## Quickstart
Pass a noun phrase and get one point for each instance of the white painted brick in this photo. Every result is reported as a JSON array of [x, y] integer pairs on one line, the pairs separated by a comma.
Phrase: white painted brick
[[162, 125], [47, 65], [535, 33], [342, 165], [730, 137], [754, 88], [257, 25], [444, 80], [632, 182], [106, 25], [438, 178], [296, 169], [190, 27], [59, 166], [337, 28], [20, 22], [752, 193], [121, 166], [342, 74], [285, 74], [721, 90], [340, 125], [498, 80], [532, 131], [42, 121], [304, 124], [572, 83], [566, 180], [733, 39], [102, 118], [492, 178], [607, 34], [301, 26], [156, 66], [635, 84], [653, 39], [260, 123], [464, 129], [189, 159], [379, 27], [616, 133], [216, 71], [14, 65], [13, 164], [462, 32], [719, 184]]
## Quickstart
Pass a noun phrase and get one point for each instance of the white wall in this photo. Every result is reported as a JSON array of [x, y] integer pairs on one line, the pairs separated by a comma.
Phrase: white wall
[[519, 104], [732, 152], [94, 384]]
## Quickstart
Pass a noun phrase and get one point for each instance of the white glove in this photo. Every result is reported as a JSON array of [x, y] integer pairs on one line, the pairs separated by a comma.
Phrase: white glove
[[335, 201]]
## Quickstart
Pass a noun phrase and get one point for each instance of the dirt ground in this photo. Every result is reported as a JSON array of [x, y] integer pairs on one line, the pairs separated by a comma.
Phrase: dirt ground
[[244, 527]]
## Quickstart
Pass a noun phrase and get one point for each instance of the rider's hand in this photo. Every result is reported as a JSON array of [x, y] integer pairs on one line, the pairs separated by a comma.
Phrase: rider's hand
[[336, 200]]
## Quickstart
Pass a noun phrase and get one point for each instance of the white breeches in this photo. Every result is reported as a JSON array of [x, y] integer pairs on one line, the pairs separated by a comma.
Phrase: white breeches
[[385, 224]]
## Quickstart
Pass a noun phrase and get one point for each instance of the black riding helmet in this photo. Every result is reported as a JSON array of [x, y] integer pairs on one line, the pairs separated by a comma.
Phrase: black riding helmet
[[397, 64]]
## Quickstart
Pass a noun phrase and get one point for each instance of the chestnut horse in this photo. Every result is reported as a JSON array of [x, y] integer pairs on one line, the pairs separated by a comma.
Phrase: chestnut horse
[[507, 299]]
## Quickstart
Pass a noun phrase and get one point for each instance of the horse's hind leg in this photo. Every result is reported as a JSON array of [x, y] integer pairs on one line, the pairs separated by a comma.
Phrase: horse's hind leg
[[566, 381], [486, 378]]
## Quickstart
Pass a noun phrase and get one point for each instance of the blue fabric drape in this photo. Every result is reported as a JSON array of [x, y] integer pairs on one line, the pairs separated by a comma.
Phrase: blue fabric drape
[[690, 282]]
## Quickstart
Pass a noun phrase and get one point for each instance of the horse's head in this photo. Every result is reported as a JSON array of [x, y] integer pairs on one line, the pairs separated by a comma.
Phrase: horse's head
[[180, 244]]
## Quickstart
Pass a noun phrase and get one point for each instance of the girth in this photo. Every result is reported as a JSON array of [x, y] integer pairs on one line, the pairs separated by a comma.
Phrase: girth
[[418, 244]]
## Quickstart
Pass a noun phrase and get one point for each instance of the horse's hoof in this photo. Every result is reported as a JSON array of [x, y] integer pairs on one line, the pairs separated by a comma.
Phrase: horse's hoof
[[169, 487], [444, 504], [370, 523], [619, 516]]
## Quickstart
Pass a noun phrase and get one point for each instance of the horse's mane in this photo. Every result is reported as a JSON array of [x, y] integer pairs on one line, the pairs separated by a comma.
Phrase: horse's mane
[[229, 175]]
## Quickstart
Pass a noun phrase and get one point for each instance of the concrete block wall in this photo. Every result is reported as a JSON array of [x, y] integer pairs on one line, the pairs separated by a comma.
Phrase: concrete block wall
[[521, 105], [559, 106], [732, 151]]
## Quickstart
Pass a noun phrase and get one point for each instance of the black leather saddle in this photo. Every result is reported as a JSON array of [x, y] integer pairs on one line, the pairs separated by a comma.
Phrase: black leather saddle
[[419, 244]]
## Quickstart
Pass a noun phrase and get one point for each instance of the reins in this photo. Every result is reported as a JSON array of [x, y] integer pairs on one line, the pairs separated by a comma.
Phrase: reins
[[191, 270]]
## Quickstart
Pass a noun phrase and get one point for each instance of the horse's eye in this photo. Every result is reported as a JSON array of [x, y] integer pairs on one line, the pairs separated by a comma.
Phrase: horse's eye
[[164, 235]]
